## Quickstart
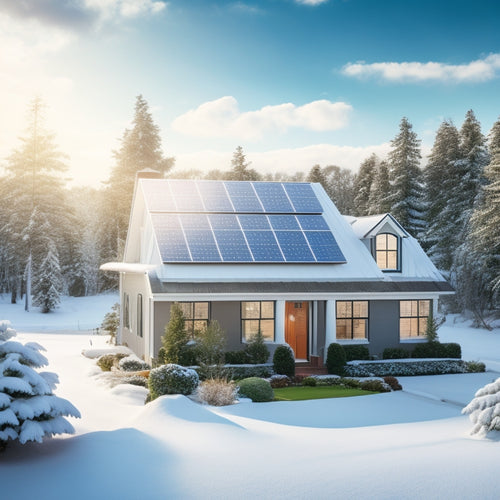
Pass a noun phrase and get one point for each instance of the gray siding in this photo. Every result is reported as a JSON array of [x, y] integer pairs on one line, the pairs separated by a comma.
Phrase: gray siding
[[383, 325]]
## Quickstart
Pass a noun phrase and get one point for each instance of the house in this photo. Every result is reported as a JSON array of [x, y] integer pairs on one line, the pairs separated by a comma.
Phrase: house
[[273, 256]]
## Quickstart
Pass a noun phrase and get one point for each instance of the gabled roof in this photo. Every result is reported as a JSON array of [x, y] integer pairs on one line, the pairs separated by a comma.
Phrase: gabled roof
[[369, 226]]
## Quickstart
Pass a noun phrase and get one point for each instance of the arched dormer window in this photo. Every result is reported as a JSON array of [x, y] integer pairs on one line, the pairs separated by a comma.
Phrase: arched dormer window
[[387, 252]]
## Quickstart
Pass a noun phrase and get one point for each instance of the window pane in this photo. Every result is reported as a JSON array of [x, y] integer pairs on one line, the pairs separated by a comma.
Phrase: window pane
[[381, 242], [392, 242], [422, 326], [392, 260], [344, 309], [344, 329], [201, 310], [267, 329], [404, 327], [424, 307], [382, 259], [249, 328], [360, 309], [187, 309], [267, 310], [405, 308], [414, 327], [359, 328], [250, 310]]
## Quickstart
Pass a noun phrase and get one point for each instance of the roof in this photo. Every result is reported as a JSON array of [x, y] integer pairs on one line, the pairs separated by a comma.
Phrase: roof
[[370, 225]]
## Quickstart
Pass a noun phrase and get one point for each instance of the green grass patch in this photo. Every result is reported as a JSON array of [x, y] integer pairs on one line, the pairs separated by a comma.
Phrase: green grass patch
[[301, 393]]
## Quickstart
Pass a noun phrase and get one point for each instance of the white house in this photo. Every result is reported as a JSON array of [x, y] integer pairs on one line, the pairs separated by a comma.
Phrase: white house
[[273, 256]]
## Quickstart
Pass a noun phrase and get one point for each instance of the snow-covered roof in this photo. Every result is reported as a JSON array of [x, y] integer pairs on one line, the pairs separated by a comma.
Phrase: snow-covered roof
[[370, 225]]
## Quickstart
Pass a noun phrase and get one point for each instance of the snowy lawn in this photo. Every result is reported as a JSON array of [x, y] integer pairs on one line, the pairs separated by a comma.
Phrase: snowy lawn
[[407, 444]]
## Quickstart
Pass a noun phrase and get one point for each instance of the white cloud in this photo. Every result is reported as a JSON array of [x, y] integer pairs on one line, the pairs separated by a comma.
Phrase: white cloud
[[284, 160], [222, 118], [475, 71], [108, 9], [311, 2]]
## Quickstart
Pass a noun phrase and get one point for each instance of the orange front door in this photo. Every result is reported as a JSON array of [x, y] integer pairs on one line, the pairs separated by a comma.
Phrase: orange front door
[[297, 327]]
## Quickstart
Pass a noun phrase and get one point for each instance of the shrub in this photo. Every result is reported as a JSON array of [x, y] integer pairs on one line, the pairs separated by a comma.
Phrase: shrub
[[326, 380], [236, 358], [431, 328], [106, 362], [429, 350], [284, 361], [405, 368], [257, 350], [335, 359], [132, 364], [111, 321], [257, 389], [217, 392], [374, 385], [244, 371], [393, 383], [395, 353], [475, 367], [310, 382], [136, 380], [350, 382], [279, 381], [452, 350], [175, 339], [356, 352], [172, 379]]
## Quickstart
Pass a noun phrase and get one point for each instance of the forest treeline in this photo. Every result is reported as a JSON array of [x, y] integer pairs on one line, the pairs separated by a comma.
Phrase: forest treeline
[[451, 205]]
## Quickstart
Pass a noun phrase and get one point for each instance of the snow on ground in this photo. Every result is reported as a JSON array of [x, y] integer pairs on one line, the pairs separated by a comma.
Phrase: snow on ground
[[403, 445]]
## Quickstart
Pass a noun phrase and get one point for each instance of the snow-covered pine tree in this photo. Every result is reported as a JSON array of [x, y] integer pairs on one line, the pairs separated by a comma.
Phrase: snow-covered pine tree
[[363, 185], [484, 409], [48, 284], [29, 411], [340, 188], [440, 179], [140, 149], [240, 170], [406, 179], [379, 202]]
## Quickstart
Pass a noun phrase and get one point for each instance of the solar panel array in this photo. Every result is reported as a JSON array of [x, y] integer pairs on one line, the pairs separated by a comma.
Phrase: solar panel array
[[219, 221]]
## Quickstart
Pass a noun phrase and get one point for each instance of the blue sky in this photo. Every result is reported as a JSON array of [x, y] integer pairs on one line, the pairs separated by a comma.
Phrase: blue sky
[[293, 82]]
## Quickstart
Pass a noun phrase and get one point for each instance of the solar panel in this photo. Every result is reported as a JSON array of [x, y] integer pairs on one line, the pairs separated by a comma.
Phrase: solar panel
[[273, 197], [264, 246], [294, 246], [232, 221]]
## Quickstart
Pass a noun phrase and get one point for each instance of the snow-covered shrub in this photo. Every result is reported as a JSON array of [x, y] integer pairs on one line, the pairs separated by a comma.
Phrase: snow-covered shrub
[[136, 380], [132, 364], [328, 379], [279, 381], [217, 392], [29, 410], [404, 368], [335, 359], [484, 409], [172, 379], [257, 389], [108, 361], [374, 385], [475, 366], [284, 360]]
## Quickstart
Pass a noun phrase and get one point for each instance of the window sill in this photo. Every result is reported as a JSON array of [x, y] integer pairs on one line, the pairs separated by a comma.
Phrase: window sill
[[352, 341], [414, 340]]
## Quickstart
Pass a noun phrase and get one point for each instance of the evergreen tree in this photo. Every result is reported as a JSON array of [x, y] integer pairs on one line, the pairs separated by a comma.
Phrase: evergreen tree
[[405, 177], [47, 287], [140, 149], [363, 185], [317, 174], [175, 340], [379, 202], [29, 411], [440, 180], [240, 170], [340, 188]]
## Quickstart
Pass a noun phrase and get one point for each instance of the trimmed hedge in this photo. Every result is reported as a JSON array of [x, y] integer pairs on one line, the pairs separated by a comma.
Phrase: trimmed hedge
[[396, 353], [238, 372], [335, 359], [437, 350], [236, 358], [257, 389], [284, 361], [405, 368], [356, 352]]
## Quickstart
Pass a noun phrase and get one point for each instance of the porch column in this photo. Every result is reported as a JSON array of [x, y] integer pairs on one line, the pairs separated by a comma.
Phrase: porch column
[[330, 325], [279, 322]]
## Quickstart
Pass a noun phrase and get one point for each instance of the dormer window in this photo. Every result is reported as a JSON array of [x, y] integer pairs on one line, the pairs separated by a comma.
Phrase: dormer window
[[386, 251]]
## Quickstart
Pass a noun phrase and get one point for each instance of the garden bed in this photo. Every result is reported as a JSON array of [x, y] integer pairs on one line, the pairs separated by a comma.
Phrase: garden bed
[[303, 393]]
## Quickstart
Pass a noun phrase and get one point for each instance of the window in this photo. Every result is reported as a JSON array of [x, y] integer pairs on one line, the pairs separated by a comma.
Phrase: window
[[195, 316], [386, 252], [352, 319], [126, 311], [413, 317], [257, 316], [139, 315]]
